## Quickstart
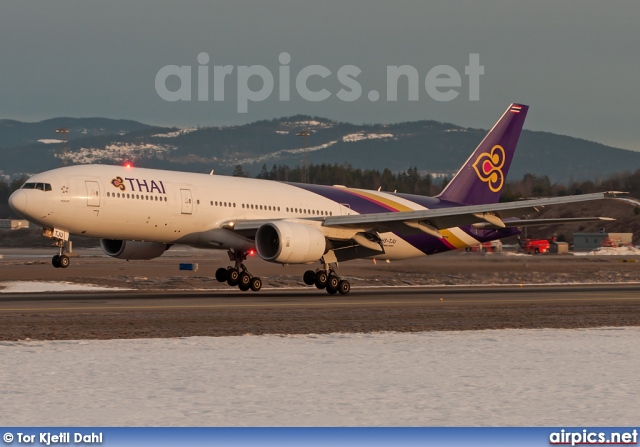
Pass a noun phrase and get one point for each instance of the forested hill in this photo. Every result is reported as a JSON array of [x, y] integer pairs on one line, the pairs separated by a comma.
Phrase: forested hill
[[430, 146]]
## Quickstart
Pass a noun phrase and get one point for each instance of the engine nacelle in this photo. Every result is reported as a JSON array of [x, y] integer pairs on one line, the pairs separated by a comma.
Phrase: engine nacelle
[[132, 249], [290, 243]]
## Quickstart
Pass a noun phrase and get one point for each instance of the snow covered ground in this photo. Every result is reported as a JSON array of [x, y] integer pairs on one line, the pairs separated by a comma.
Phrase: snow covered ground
[[610, 251], [496, 377], [50, 286]]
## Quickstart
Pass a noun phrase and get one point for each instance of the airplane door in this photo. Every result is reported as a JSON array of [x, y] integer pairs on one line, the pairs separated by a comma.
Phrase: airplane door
[[187, 202], [93, 193], [346, 211]]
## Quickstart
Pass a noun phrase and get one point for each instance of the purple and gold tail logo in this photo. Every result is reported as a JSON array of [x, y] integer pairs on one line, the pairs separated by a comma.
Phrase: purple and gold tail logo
[[118, 183], [489, 168]]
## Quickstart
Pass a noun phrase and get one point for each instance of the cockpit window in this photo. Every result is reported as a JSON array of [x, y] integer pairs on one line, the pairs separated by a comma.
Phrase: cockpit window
[[40, 186]]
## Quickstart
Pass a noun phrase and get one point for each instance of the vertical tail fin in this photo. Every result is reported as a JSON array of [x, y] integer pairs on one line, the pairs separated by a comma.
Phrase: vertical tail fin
[[481, 178]]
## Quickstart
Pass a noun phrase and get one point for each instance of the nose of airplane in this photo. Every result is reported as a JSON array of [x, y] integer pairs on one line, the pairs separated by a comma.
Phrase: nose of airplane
[[18, 202]]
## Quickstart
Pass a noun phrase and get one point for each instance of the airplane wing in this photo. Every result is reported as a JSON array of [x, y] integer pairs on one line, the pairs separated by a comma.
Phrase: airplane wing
[[483, 216], [489, 216]]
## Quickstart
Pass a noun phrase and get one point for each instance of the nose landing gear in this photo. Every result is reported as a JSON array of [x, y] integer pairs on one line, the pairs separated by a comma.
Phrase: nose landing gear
[[238, 275], [61, 260]]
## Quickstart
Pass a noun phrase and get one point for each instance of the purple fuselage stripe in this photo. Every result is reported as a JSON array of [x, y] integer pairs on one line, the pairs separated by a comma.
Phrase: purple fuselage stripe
[[359, 204]]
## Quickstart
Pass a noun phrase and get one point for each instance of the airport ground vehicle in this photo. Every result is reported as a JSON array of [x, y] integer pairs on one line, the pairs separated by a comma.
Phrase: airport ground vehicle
[[485, 247], [535, 246]]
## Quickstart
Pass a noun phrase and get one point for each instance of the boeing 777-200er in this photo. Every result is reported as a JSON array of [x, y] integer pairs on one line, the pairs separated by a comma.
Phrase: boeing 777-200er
[[139, 213]]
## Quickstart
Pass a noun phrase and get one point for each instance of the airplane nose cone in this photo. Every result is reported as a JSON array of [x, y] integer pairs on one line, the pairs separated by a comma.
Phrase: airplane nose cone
[[18, 202]]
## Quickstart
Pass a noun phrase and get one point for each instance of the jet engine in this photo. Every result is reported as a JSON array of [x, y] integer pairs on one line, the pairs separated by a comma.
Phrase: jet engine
[[132, 249], [290, 243]]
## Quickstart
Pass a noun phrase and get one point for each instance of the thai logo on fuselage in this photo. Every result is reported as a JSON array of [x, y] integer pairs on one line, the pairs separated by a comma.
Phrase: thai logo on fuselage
[[138, 185], [488, 166], [118, 183]]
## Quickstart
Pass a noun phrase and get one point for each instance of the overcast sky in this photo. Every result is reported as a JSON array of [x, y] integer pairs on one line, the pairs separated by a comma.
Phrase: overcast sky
[[575, 62]]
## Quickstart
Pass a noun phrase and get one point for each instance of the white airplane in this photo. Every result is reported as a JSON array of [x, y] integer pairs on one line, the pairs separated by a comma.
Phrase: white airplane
[[140, 213]]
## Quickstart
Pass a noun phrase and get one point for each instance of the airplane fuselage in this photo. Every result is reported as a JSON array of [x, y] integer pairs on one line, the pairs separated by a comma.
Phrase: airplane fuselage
[[117, 202]]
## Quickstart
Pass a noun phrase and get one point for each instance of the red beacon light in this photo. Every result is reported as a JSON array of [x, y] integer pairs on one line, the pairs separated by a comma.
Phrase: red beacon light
[[252, 252], [128, 164]]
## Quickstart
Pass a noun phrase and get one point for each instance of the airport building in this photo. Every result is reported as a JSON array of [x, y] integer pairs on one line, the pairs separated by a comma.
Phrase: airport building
[[13, 224], [591, 241]]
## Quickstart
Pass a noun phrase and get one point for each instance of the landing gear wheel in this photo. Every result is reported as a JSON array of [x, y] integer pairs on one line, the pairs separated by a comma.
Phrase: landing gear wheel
[[309, 277], [321, 279], [332, 284], [331, 291], [55, 261], [221, 274], [233, 277], [237, 274], [64, 261], [256, 284], [344, 287], [244, 281]]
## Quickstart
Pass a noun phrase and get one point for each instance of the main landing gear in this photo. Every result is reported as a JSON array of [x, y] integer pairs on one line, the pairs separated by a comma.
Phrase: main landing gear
[[327, 278], [60, 260], [238, 275]]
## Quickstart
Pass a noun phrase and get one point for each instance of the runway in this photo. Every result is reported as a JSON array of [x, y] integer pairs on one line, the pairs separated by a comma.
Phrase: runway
[[148, 314]]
